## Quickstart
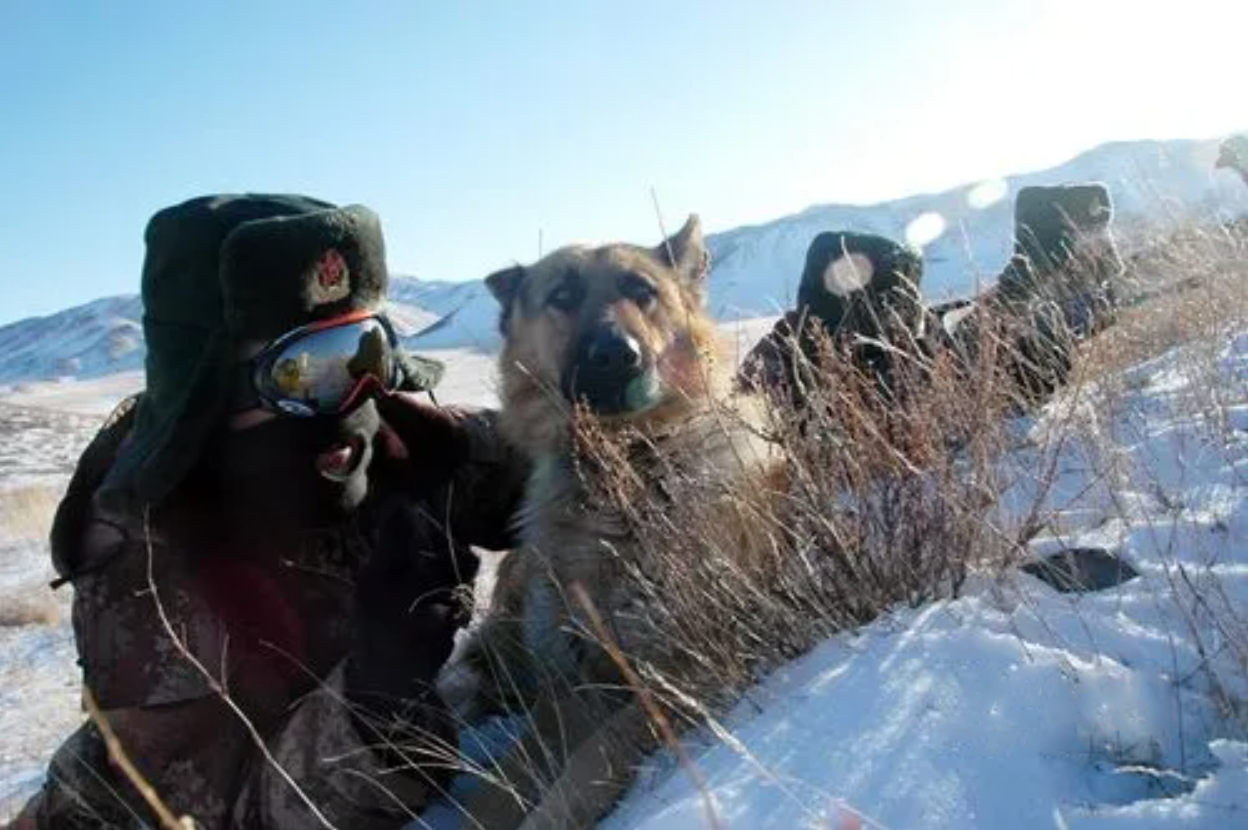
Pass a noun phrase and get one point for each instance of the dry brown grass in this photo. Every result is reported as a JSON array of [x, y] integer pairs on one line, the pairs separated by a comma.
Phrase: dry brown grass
[[883, 497], [1193, 286], [891, 496], [1188, 285], [26, 512], [886, 499], [25, 516], [36, 607]]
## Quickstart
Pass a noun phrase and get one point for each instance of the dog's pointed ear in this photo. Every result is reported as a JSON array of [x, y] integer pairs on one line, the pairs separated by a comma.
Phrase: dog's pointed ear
[[505, 284], [686, 251]]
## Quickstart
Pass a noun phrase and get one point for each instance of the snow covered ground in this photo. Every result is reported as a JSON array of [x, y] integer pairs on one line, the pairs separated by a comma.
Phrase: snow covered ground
[[1014, 705], [1011, 706], [38, 677]]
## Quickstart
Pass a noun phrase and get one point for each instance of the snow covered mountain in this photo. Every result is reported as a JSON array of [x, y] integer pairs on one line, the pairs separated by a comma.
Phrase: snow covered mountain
[[965, 233], [98, 338], [757, 267]]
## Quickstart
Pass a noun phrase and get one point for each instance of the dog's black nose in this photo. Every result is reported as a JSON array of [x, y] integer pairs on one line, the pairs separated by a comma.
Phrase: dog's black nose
[[610, 350], [607, 360]]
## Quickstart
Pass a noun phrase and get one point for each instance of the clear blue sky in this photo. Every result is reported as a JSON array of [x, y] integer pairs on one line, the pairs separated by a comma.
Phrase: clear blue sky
[[469, 126]]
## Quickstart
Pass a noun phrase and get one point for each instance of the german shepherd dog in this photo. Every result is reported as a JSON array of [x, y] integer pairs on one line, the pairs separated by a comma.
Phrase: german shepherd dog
[[617, 335]]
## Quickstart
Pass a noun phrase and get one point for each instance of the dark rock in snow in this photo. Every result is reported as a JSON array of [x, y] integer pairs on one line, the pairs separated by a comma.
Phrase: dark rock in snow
[[1081, 570]]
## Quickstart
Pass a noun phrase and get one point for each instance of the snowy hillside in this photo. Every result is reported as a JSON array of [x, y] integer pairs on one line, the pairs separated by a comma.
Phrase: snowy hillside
[[755, 268], [98, 338], [468, 312], [1014, 705]]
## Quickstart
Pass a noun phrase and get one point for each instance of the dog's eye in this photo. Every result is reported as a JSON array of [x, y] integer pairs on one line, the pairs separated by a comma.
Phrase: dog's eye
[[565, 297], [639, 290]]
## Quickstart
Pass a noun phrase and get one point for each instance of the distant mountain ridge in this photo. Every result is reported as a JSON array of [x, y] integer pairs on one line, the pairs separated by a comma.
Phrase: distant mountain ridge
[[755, 268], [105, 336], [90, 340]]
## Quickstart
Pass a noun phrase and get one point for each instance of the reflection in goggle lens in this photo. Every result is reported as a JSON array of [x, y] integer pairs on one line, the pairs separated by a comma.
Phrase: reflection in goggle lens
[[320, 371]]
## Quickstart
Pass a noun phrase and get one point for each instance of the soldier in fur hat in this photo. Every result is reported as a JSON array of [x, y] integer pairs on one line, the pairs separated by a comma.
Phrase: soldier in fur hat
[[862, 291], [267, 546]]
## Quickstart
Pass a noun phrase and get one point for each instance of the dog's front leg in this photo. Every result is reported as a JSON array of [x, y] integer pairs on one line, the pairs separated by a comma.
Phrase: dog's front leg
[[598, 773], [569, 769], [546, 635]]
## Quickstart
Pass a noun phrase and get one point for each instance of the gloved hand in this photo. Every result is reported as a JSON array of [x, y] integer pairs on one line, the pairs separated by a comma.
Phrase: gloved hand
[[423, 443], [406, 614]]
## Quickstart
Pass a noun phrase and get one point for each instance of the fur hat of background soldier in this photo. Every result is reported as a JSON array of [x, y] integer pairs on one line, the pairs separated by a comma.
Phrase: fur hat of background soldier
[[862, 291], [618, 335], [1064, 254], [861, 283], [227, 270]]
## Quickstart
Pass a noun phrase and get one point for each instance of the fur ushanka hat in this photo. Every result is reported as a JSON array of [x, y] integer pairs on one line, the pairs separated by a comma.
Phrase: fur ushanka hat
[[221, 271], [861, 283]]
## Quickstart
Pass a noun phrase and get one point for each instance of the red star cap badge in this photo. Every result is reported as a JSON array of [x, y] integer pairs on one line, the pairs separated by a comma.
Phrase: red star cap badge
[[331, 270]]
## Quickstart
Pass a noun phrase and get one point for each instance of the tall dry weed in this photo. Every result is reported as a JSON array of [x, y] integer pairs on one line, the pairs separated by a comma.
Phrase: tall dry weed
[[883, 495], [26, 512], [25, 517]]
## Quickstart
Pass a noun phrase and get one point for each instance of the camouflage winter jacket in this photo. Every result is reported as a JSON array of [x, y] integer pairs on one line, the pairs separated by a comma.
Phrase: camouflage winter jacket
[[162, 631]]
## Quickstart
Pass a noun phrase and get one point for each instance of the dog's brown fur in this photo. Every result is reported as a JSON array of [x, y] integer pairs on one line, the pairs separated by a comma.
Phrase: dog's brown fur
[[538, 647]]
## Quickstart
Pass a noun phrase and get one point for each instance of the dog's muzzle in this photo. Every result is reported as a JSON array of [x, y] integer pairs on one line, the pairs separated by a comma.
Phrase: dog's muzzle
[[610, 373]]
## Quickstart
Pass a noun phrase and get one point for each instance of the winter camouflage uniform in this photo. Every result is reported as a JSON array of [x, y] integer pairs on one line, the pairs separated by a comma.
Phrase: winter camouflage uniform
[[268, 626], [176, 605]]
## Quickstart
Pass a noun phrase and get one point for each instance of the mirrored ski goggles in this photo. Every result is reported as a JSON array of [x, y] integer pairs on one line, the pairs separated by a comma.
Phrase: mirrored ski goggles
[[328, 367]]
